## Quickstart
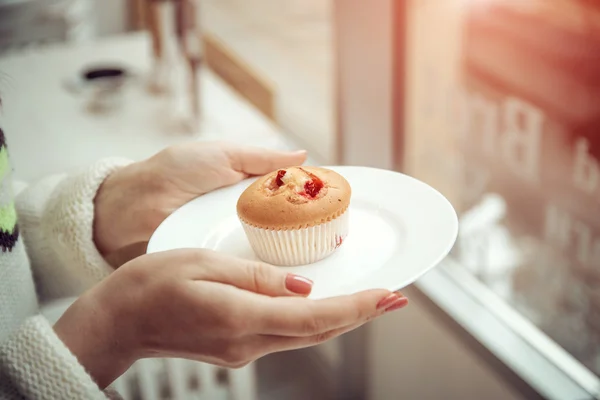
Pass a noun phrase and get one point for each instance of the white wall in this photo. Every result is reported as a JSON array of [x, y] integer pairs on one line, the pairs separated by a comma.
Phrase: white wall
[[363, 40]]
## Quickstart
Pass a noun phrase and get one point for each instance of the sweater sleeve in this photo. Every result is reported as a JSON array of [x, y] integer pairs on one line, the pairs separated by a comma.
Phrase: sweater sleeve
[[37, 365], [56, 218]]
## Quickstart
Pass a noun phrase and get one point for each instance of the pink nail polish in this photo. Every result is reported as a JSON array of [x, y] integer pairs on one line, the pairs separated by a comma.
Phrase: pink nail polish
[[388, 301], [298, 284], [398, 304]]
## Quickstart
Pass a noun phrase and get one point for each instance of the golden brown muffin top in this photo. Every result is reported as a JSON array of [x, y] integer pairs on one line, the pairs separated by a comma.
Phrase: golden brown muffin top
[[294, 198]]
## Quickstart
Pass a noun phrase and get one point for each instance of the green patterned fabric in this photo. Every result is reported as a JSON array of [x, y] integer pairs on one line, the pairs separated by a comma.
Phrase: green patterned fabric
[[8, 217], [9, 230]]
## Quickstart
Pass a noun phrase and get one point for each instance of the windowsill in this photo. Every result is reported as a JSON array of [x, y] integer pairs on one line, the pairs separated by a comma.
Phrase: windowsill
[[505, 339]]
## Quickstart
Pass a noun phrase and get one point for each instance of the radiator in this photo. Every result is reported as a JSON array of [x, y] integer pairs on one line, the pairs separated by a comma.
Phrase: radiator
[[176, 379]]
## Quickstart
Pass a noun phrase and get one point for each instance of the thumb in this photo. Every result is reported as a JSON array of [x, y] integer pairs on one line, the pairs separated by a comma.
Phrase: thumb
[[258, 161], [254, 276]]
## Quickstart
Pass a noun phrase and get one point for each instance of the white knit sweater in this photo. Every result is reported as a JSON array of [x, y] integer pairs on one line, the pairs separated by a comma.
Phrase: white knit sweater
[[53, 239]]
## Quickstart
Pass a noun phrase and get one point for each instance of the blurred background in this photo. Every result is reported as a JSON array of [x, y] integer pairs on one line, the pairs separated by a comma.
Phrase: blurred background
[[493, 102]]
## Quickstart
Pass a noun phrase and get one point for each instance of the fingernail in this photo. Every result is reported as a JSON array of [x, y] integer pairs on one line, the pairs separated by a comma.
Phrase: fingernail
[[387, 301], [399, 303], [298, 284], [300, 152]]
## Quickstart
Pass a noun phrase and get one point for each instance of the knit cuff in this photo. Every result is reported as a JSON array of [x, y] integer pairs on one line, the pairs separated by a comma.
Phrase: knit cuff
[[69, 219], [41, 367]]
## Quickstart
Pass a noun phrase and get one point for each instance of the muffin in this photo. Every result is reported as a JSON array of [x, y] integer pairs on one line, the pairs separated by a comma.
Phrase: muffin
[[295, 216]]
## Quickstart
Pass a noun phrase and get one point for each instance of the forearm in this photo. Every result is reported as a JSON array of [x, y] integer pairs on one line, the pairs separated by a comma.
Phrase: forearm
[[124, 220], [91, 333]]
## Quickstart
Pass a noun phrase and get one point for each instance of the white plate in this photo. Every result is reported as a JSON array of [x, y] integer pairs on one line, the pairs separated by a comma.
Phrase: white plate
[[400, 228]]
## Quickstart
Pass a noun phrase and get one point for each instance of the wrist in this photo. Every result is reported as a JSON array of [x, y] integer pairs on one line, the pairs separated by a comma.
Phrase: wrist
[[92, 334], [123, 211]]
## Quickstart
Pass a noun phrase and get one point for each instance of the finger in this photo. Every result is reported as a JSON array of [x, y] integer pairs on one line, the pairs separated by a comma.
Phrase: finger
[[305, 317], [267, 344], [258, 161], [254, 276], [272, 344]]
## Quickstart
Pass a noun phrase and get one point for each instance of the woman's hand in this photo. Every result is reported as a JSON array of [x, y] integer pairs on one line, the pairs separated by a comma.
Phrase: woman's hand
[[208, 307], [132, 202]]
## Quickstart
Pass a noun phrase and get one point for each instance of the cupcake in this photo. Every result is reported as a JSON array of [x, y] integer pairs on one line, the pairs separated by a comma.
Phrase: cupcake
[[295, 216]]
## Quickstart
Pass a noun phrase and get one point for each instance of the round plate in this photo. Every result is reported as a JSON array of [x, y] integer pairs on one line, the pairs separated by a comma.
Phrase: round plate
[[400, 228]]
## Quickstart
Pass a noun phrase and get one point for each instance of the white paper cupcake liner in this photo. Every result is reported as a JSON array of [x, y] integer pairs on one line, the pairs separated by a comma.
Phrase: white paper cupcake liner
[[298, 246]]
